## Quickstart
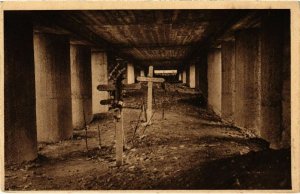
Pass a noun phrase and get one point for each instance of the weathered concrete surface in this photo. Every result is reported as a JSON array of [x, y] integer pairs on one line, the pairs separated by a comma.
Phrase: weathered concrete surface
[[99, 76], [247, 85], [130, 73], [214, 73], [19, 90], [53, 87], [228, 80], [81, 85], [142, 73], [286, 85], [187, 70], [192, 75], [203, 83], [136, 73], [184, 76], [197, 78], [275, 92]]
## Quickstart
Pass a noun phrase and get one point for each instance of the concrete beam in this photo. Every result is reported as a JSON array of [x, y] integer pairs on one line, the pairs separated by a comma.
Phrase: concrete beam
[[77, 31]]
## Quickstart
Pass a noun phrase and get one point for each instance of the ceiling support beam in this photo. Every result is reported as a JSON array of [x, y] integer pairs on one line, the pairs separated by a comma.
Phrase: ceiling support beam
[[79, 31]]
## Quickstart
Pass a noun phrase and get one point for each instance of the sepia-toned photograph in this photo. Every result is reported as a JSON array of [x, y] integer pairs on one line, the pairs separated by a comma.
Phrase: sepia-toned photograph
[[147, 99]]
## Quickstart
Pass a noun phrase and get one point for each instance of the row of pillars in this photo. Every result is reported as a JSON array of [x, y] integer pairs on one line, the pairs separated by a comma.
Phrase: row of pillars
[[247, 79], [189, 76], [50, 87]]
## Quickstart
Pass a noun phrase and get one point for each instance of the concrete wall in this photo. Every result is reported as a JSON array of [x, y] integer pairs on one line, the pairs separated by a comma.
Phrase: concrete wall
[[130, 73], [53, 87], [274, 81], [192, 75], [247, 75], [81, 85], [214, 78], [99, 76], [19, 90], [228, 80]]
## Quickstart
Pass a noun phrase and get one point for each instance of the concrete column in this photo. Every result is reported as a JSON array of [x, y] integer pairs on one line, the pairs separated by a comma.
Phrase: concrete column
[[197, 79], [272, 55], [214, 78], [180, 76], [53, 87], [192, 77], [228, 80], [184, 76], [142, 73], [187, 73], [136, 73], [203, 83], [286, 83], [99, 76], [81, 85], [19, 90], [247, 76], [130, 73]]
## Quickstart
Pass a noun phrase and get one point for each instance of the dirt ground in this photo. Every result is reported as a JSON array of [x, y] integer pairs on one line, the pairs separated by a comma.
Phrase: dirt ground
[[190, 148]]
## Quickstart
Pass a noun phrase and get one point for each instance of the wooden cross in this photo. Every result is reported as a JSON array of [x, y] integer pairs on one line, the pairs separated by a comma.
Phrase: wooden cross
[[150, 79], [117, 105]]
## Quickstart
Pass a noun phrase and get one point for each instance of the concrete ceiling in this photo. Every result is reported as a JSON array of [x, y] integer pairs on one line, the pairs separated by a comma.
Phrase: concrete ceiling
[[156, 37]]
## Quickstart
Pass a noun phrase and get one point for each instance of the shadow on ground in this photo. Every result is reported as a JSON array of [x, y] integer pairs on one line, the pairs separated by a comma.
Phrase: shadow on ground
[[255, 170]]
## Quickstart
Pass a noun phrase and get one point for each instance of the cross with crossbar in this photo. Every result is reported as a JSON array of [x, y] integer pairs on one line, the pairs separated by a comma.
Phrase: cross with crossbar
[[150, 79]]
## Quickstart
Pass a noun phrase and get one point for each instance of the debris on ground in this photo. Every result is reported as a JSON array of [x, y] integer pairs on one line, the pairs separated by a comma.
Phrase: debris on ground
[[190, 148]]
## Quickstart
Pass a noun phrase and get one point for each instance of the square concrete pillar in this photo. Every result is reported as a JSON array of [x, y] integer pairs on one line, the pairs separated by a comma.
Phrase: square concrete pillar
[[179, 76], [99, 76], [130, 73], [286, 83], [19, 89], [81, 85], [203, 83], [228, 80], [197, 79], [184, 76], [142, 73], [214, 78], [53, 87], [274, 81], [192, 75], [247, 76]]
